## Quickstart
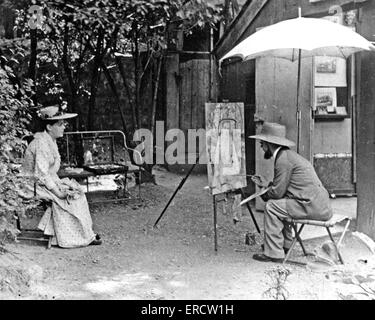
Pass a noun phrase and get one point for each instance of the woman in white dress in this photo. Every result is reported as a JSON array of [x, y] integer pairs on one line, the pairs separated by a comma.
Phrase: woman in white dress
[[68, 219]]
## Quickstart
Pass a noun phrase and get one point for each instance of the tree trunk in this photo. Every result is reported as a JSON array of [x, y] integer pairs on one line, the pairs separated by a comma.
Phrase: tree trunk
[[33, 54], [9, 18], [95, 79], [137, 80], [68, 72], [118, 103], [155, 97], [121, 68], [32, 62], [78, 144], [112, 84]]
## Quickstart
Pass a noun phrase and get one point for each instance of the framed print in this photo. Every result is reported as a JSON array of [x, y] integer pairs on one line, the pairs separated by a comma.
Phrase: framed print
[[330, 72], [326, 65], [325, 100]]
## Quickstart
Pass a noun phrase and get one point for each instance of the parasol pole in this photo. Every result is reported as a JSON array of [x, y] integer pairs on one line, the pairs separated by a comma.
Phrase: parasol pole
[[298, 113]]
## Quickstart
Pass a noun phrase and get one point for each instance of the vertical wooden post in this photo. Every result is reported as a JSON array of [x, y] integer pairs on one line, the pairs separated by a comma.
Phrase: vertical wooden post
[[172, 90], [365, 127], [215, 222]]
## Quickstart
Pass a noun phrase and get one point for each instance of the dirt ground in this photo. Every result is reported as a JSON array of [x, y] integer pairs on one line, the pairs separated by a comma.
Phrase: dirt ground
[[177, 259]]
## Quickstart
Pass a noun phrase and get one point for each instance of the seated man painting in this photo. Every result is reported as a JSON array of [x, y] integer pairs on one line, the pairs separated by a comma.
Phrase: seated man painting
[[295, 192]]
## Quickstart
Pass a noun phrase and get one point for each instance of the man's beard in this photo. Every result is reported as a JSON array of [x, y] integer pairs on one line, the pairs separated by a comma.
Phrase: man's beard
[[267, 154]]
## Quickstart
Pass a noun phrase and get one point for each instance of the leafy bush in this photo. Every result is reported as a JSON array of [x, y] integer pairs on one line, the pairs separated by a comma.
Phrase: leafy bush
[[14, 117]]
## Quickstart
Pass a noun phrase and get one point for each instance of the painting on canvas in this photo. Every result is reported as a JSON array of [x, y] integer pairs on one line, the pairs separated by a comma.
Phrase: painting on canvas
[[225, 147]]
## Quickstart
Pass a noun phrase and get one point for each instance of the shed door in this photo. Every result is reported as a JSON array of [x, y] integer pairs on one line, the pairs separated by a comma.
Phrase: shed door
[[194, 93]]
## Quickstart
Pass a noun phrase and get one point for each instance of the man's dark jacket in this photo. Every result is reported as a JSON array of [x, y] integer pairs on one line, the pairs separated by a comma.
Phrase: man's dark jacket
[[296, 180]]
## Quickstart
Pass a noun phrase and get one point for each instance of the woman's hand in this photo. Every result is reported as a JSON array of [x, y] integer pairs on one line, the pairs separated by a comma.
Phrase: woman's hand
[[62, 194], [259, 181], [72, 186]]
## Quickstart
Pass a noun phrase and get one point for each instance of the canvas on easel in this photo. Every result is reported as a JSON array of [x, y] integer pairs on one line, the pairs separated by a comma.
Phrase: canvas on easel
[[226, 162], [225, 147]]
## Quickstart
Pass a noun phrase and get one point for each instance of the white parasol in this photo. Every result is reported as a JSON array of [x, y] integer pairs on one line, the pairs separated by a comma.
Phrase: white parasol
[[301, 38]]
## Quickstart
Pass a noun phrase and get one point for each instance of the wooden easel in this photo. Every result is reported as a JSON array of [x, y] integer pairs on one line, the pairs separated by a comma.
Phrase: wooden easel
[[215, 217]]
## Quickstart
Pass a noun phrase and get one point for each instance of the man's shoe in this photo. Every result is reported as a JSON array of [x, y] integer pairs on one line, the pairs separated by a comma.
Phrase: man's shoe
[[96, 242], [262, 257], [286, 250]]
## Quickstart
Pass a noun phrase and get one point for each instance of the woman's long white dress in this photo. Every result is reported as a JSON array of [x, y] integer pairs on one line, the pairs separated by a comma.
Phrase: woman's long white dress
[[68, 221]]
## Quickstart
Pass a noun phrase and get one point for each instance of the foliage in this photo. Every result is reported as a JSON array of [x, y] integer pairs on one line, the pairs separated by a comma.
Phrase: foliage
[[80, 42], [83, 38], [14, 116]]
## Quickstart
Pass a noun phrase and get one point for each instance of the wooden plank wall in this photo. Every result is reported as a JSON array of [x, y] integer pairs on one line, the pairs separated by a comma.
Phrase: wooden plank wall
[[185, 96], [366, 128], [172, 91], [194, 93]]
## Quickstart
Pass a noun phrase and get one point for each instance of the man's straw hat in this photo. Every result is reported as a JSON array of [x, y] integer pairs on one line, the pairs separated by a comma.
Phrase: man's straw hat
[[274, 133]]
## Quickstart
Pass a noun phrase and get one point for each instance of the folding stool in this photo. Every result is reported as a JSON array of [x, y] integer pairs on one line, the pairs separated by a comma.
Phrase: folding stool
[[33, 234], [336, 218]]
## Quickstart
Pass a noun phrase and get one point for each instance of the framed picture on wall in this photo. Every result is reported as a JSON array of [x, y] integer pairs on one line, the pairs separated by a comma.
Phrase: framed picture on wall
[[326, 65], [325, 101], [330, 72]]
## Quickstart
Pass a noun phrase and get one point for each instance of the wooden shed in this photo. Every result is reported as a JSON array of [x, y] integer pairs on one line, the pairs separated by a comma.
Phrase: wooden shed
[[340, 144]]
